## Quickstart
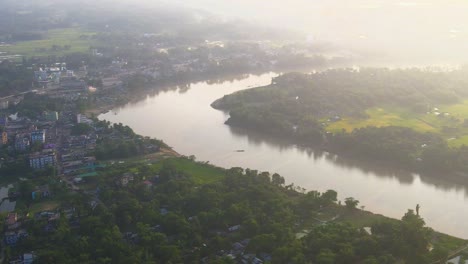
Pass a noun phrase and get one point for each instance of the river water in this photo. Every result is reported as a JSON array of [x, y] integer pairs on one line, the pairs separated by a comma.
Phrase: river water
[[183, 118]]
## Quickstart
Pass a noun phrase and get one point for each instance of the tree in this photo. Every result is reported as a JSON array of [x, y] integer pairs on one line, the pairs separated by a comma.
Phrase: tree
[[415, 235], [326, 256], [26, 188], [276, 179], [329, 197], [263, 243], [81, 129], [351, 203]]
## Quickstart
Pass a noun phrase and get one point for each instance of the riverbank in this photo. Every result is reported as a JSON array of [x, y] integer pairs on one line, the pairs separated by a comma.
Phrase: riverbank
[[155, 86], [348, 119], [348, 158], [186, 122]]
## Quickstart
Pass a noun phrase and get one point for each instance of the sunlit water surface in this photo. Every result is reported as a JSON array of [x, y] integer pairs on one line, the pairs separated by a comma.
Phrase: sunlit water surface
[[184, 119]]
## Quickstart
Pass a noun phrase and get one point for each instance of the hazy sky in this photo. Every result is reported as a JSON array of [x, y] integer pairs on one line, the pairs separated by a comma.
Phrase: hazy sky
[[436, 28], [432, 30], [360, 16]]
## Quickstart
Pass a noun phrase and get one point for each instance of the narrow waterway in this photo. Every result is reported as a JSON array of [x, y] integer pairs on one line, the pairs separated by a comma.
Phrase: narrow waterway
[[183, 118]]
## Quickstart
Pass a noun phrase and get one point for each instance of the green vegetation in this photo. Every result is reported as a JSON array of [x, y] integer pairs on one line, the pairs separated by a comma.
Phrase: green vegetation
[[380, 117], [81, 129], [33, 105], [118, 141], [13, 78], [192, 211], [411, 118], [199, 172], [448, 121], [56, 42]]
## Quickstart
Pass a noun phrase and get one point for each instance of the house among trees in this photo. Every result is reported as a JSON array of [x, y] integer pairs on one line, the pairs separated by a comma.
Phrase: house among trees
[[26, 258], [12, 237], [125, 179], [234, 228], [148, 184], [41, 192], [12, 222]]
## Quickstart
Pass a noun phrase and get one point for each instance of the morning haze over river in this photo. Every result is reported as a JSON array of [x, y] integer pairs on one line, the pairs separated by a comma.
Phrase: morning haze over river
[[184, 119], [246, 131]]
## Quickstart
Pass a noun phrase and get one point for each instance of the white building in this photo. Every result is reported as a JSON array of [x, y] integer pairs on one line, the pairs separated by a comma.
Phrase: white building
[[82, 119]]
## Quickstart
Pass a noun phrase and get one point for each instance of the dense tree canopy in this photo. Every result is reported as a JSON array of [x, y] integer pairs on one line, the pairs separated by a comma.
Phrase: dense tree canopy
[[177, 221], [297, 105]]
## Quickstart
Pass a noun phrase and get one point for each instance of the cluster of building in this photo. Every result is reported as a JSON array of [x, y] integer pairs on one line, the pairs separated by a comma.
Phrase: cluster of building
[[237, 252], [54, 74], [14, 231], [46, 143], [77, 158], [41, 160], [23, 136], [128, 178], [60, 82]]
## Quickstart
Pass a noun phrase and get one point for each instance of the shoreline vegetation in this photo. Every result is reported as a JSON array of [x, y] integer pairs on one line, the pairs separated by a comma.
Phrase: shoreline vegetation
[[154, 87], [140, 86], [330, 111]]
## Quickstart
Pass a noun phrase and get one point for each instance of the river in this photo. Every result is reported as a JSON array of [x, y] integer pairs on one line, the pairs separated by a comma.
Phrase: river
[[183, 118]]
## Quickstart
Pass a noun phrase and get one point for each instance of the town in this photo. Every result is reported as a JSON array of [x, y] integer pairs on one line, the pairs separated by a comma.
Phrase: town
[[80, 182], [52, 142]]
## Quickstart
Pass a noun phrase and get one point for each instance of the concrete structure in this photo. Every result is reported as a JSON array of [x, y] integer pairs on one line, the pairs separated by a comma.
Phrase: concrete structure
[[21, 143], [12, 218], [38, 136], [72, 83], [42, 160], [4, 121], [26, 258], [4, 138], [82, 119], [11, 238], [4, 104], [51, 116], [40, 76], [41, 192]]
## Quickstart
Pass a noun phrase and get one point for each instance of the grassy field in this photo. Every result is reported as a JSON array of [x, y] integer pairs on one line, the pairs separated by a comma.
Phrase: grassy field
[[76, 38], [380, 117], [446, 120], [201, 173], [47, 205]]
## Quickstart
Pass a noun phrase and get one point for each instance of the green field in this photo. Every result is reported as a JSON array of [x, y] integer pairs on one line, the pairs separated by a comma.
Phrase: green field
[[201, 173], [380, 117], [446, 120], [77, 39]]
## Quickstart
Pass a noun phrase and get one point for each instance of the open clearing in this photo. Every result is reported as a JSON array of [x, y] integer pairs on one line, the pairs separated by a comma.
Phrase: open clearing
[[446, 120], [201, 173], [77, 39]]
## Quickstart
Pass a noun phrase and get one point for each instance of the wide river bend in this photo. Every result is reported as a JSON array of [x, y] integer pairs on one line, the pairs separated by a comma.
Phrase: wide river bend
[[183, 118]]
